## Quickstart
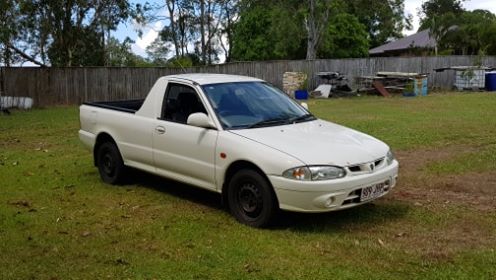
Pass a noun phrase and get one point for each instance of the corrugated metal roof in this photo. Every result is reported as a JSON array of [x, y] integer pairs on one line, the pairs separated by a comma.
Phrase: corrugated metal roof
[[417, 40]]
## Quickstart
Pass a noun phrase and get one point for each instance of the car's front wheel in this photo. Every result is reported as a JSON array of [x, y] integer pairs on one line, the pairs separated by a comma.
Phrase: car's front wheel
[[251, 198]]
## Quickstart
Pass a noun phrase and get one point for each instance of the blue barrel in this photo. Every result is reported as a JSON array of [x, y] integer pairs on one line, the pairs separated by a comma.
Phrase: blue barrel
[[301, 94], [419, 87], [491, 81]]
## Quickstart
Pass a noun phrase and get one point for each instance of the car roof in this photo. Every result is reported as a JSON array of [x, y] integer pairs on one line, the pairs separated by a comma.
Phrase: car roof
[[205, 79]]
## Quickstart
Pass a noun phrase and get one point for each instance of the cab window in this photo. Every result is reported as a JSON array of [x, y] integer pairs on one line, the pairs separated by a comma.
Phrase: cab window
[[180, 102]]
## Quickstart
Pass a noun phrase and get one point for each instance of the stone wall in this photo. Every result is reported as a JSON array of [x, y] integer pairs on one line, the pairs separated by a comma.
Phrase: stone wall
[[292, 81]]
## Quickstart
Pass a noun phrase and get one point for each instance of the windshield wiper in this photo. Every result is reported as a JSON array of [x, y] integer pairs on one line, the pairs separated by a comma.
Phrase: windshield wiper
[[269, 122], [305, 117]]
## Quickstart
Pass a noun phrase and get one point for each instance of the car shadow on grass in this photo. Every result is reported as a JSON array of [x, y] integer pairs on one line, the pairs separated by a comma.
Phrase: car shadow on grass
[[175, 188], [370, 214]]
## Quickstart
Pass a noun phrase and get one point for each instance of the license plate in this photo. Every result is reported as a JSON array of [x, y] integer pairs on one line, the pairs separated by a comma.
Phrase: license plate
[[373, 191]]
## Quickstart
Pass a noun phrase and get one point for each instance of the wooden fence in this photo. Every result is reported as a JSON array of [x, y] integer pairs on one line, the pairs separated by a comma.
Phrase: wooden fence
[[54, 86]]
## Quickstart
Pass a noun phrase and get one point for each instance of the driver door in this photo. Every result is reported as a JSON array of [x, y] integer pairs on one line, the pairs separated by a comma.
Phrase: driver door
[[181, 151]]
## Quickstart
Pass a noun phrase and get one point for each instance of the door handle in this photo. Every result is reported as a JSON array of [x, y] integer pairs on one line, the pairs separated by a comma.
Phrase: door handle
[[160, 129]]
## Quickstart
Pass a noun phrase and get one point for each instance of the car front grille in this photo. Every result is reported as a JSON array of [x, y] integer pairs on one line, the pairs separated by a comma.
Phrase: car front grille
[[368, 167], [353, 197]]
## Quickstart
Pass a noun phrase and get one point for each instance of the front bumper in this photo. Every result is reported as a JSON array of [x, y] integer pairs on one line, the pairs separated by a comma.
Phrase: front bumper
[[330, 195]]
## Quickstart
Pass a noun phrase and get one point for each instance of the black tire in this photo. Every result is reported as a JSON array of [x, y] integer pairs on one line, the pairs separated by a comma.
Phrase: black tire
[[251, 198], [110, 164]]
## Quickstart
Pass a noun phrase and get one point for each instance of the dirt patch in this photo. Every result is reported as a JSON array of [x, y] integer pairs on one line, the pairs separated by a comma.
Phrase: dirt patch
[[412, 162], [477, 183], [473, 189], [438, 198]]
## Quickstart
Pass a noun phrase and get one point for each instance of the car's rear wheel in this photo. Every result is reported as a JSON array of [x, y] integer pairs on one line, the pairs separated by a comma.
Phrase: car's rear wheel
[[251, 198], [110, 164]]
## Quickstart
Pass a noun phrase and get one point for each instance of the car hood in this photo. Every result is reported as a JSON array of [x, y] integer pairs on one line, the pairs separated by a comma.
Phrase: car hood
[[319, 142]]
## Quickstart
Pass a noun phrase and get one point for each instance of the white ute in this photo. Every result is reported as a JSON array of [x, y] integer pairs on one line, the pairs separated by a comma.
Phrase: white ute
[[241, 137]]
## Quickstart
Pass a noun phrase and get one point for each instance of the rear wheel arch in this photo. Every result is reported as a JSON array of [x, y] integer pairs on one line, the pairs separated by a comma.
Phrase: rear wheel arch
[[103, 137]]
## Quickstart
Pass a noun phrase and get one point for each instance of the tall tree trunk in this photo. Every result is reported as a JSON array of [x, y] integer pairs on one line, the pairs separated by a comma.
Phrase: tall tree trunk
[[103, 46], [209, 31], [171, 4], [202, 30], [229, 36], [315, 26], [311, 32], [69, 40]]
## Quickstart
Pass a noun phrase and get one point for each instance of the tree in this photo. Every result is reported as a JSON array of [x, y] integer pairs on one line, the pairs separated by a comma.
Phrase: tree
[[181, 24], [282, 30], [120, 54], [268, 31], [158, 51], [209, 22], [14, 41], [489, 39], [66, 33], [251, 35], [195, 23], [470, 33], [316, 16], [77, 23], [433, 9], [230, 15], [383, 20], [345, 37], [439, 27], [184, 61], [439, 16]]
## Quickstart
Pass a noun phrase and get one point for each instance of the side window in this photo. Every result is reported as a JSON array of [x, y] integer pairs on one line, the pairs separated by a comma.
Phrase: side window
[[180, 102]]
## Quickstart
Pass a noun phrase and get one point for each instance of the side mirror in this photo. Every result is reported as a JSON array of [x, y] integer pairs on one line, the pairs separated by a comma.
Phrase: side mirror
[[304, 105], [200, 120]]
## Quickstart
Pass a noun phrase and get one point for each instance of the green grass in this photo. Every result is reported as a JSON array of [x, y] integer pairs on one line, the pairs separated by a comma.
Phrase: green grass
[[59, 221], [436, 120]]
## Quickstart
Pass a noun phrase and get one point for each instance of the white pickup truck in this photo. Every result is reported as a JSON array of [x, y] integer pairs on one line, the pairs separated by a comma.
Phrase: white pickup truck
[[243, 138]]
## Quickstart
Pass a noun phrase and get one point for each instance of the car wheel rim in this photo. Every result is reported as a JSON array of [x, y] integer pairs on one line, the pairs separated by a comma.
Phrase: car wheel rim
[[250, 200], [108, 164]]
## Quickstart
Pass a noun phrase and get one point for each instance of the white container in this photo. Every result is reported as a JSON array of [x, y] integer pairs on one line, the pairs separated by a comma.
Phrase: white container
[[470, 78], [7, 102]]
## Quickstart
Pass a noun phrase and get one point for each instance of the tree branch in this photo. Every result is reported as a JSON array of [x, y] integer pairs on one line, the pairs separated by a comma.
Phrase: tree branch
[[24, 55]]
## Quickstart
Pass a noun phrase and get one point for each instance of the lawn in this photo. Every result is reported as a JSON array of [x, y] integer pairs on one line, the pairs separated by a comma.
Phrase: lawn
[[59, 221]]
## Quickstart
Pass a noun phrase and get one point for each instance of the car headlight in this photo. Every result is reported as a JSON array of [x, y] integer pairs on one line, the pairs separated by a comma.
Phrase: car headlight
[[389, 157], [314, 173]]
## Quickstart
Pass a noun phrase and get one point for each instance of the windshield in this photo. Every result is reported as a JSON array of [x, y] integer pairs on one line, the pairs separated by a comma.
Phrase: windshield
[[253, 104]]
